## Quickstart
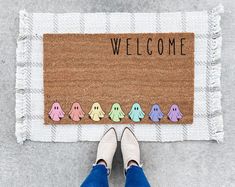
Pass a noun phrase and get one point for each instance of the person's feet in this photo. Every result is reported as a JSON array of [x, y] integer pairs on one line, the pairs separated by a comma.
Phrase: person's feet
[[108, 145], [130, 149], [106, 148]]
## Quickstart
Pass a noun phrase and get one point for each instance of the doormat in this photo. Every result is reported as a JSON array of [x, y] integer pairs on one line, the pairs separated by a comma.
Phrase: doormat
[[133, 78], [207, 123]]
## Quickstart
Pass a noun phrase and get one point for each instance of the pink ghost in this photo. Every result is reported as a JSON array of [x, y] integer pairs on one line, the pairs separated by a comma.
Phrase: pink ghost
[[76, 113], [56, 113]]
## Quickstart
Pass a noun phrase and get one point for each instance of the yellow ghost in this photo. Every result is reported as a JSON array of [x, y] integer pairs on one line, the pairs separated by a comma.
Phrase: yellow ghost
[[96, 113]]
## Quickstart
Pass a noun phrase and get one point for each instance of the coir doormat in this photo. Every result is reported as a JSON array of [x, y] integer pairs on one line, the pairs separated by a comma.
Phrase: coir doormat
[[200, 118], [118, 78]]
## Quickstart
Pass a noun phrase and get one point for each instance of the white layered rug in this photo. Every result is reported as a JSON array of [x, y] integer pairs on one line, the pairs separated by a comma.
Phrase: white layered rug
[[208, 121]]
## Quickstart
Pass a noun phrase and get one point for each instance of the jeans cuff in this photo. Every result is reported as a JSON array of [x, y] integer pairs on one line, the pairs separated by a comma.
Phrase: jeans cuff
[[108, 169], [129, 167]]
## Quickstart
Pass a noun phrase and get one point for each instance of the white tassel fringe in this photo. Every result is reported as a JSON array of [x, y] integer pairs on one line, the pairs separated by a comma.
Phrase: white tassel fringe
[[215, 74]]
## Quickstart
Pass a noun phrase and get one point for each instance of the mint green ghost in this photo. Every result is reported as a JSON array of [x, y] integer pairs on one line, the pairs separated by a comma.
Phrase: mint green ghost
[[136, 114], [116, 113]]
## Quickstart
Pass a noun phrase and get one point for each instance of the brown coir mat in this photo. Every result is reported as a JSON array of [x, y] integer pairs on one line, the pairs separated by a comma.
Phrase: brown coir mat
[[149, 76]]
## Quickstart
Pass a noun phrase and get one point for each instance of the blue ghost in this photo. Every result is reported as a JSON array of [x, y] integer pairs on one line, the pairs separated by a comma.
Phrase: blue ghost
[[156, 113], [136, 113]]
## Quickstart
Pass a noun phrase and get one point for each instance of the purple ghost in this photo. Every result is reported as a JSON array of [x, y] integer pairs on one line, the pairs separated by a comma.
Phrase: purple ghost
[[174, 114], [156, 113]]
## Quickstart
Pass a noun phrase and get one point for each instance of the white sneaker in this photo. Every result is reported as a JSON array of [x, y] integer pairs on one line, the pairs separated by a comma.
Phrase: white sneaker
[[107, 148], [130, 148]]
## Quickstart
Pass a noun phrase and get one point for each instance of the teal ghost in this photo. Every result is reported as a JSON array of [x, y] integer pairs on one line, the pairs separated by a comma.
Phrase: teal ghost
[[136, 114]]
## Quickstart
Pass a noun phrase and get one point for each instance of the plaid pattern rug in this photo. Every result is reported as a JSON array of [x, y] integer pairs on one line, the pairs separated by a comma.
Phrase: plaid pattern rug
[[208, 121]]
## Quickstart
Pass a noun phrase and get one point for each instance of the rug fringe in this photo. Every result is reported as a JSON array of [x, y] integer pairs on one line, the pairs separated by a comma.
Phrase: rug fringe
[[20, 107], [215, 75]]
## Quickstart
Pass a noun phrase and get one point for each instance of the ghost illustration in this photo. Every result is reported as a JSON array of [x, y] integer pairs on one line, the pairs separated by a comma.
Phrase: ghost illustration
[[174, 114], [56, 113], [96, 113], [156, 113], [116, 113], [136, 114], [76, 113]]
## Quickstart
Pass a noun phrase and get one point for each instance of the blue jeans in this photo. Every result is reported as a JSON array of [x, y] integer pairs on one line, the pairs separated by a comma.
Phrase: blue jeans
[[98, 177]]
